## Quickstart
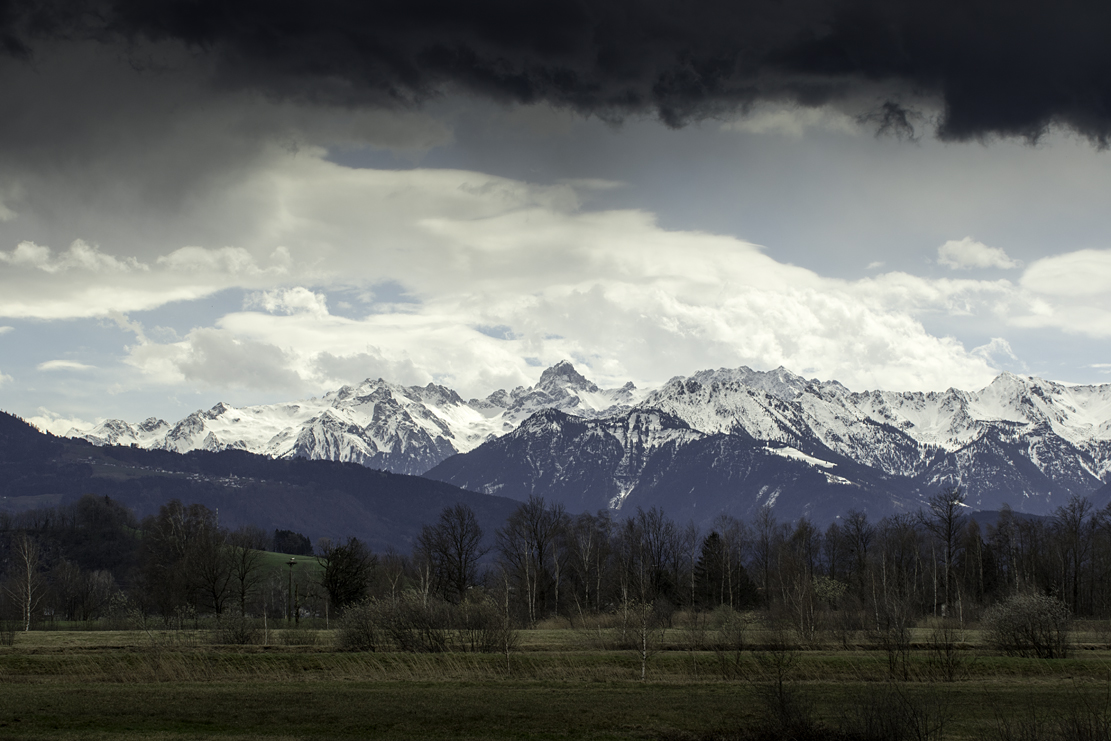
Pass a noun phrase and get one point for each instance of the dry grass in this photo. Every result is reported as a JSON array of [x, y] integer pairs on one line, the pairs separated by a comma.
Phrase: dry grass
[[178, 684]]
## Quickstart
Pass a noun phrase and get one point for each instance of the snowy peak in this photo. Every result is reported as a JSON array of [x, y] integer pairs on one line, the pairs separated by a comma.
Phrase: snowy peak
[[376, 423], [563, 378], [118, 432], [1050, 437], [564, 388], [780, 383], [720, 401]]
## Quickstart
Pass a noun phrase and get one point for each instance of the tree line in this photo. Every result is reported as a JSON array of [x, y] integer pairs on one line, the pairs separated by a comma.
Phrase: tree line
[[94, 560]]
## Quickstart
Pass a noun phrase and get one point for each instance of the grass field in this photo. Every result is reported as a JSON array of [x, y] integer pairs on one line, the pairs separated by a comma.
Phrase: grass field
[[558, 684]]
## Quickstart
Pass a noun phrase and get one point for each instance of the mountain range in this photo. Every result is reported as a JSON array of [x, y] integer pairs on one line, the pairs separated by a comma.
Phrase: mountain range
[[39, 472], [728, 440]]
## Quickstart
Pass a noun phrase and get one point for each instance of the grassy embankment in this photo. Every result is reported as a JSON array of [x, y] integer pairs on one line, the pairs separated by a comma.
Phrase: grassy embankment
[[558, 683]]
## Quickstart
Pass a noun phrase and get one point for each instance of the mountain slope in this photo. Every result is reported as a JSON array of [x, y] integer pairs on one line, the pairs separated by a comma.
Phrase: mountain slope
[[1022, 441], [649, 458], [317, 498], [376, 424]]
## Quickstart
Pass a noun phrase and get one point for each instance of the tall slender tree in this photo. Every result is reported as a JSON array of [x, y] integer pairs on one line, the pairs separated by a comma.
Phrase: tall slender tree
[[452, 548], [945, 518]]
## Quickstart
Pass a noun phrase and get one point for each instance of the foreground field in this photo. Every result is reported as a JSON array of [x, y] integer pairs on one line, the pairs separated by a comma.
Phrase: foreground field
[[557, 684]]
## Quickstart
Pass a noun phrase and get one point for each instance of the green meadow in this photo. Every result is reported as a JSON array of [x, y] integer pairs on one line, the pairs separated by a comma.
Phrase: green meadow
[[557, 683]]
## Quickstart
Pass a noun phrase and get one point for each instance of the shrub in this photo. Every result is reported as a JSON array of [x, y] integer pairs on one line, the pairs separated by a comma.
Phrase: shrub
[[1031, 625], [888, 713], [483, 628], [416, 625], [359, 627], [237, 631], [946, 659], [732, 640], [1081, 719]]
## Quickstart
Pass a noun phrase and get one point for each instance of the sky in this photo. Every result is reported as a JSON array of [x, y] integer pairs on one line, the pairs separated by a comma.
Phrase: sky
[[253, 202]]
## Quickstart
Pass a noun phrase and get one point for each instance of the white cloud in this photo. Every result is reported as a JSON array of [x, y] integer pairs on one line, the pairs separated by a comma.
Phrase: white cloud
[[85, 282], [968, 253], [5, 379], [232, 261], [5, 329], [79, 257], [1070, 292], [63, 365], [612, 289], [995, 348], [1080, 273], [625, 330], [216, 358], [289, 301], [58, 424]]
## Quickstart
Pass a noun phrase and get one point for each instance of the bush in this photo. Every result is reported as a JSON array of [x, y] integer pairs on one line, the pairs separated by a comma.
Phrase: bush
[[482, 628], [1082, 719], [732, 640], [946, 659], [424, 626], [1031, 625], [416, 625], [889, 714], [237, 631], [358, 628]]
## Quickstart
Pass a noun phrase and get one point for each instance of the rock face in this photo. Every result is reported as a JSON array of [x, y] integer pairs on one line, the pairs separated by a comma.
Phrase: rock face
[[727, 440], [654, 459]]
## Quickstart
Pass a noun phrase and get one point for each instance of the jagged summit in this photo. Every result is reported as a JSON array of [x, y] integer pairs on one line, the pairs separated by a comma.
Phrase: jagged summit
[[562, 376], [1057, 436]]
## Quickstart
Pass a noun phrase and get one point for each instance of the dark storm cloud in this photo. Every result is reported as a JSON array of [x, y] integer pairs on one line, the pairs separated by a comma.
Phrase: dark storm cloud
[[992, 68]]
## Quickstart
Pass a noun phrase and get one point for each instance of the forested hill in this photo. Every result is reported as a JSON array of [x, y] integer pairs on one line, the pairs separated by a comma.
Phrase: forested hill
[[318, 498]]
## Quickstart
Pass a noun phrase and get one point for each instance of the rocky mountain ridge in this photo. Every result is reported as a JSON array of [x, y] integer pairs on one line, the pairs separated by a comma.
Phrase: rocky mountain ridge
[[1023, 441]]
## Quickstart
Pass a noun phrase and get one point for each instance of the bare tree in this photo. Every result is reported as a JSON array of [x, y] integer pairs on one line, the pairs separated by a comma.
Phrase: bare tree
[[210, 567], [247, 567], [452, 548], [689, 548], [587, 539], [1073, 526], [26, 587], [347, 571], [945, 518], [183, 559], [524, 545], [858, 534], [763, 545], [80, 594]]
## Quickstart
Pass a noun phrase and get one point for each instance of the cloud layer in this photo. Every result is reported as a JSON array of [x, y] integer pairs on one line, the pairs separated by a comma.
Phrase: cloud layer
[[609, 289], [990, 68]]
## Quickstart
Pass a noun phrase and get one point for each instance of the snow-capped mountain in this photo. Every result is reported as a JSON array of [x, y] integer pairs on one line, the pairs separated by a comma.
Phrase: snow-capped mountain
[[654, 459], [404, 429], [1024, 441]]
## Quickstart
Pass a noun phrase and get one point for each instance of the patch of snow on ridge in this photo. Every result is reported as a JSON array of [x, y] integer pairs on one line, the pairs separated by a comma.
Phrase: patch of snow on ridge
[[798, 455], [616, 502], [1061, 429]]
